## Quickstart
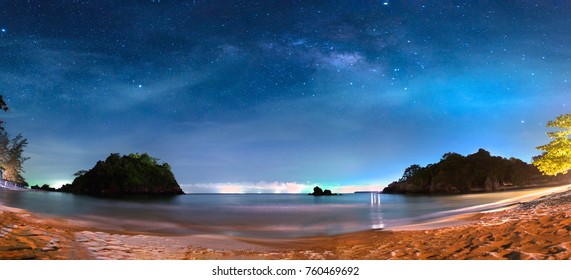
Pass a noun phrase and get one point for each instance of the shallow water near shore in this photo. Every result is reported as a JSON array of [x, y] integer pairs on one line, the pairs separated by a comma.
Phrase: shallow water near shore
[[259, 215]]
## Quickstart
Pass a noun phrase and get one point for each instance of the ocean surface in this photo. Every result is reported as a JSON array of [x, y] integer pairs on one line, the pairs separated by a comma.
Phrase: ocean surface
[[257, 215]]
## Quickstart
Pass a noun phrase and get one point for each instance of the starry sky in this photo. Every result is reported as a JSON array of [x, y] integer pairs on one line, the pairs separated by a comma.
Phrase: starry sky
[[280, 96]]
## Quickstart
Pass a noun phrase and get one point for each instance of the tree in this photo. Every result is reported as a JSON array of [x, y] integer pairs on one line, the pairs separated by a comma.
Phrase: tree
[[144, 157], [409, 172], [556, 156], [3, 106], [11, 158]]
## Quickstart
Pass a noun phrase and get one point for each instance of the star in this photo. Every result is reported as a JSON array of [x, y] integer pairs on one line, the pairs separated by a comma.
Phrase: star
[[3, 30]]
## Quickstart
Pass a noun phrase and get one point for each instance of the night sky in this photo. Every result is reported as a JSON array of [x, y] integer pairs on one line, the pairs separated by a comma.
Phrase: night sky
[[264, 96]]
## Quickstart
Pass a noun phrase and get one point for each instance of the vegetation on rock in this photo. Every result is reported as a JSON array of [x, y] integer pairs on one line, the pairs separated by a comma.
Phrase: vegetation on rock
[[44, 187], [132, 174], [454, 173]]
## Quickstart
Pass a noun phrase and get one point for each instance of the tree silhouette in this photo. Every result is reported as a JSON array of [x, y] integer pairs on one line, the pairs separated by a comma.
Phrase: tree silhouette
[[409, 172], [3, 106], [556, 156]]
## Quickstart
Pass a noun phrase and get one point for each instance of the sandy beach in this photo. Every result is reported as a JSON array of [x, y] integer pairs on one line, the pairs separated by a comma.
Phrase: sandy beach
[[538, 229]]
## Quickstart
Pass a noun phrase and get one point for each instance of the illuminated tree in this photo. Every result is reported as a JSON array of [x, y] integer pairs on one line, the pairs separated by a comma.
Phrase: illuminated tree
[[11, 158], [556, 156]]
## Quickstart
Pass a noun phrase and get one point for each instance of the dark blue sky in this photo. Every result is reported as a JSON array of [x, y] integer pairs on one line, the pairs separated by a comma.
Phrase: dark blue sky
[[280, 95]]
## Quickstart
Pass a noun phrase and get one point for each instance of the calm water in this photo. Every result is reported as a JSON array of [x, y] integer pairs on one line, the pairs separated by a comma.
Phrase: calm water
[[256, 215]]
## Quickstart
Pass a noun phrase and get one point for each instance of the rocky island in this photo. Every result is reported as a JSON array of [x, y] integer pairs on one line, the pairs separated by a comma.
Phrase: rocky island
[[125, 175], [317, 191]]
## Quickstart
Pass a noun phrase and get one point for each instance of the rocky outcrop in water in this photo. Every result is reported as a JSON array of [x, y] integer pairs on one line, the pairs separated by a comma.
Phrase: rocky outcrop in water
[[125, 175], [317, 191]]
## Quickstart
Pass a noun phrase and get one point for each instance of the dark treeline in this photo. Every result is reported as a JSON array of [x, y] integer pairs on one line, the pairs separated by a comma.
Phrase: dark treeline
[[454, 173]]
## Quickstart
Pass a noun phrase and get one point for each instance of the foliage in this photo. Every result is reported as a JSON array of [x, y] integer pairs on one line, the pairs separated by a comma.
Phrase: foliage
[[11, 150], [556, 156], [455, 173], [44, 187], [3, 106], [11, 158], [409, 172], [132, 174]]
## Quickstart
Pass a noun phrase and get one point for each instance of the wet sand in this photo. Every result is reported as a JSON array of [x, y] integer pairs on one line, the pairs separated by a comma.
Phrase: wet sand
[[539, 229]]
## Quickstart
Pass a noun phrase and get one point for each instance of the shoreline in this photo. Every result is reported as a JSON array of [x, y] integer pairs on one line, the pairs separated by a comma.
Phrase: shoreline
[[468, 217], [538, 228]]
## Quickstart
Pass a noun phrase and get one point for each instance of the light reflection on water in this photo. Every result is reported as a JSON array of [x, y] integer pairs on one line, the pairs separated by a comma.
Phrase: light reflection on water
[[256, 215]]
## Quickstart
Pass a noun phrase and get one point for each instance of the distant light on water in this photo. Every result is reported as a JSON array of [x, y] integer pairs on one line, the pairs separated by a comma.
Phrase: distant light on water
[[375, 199], [275, 187], [59, 183]]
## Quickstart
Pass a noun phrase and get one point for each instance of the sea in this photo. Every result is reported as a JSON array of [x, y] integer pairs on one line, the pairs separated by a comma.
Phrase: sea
[[258, 215]]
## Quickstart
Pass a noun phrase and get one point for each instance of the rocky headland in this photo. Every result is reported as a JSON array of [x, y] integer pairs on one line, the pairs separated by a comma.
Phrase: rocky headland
[[474, 173]]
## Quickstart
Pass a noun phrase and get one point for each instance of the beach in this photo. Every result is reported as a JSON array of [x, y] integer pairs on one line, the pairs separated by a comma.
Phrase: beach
[[538, 229]]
